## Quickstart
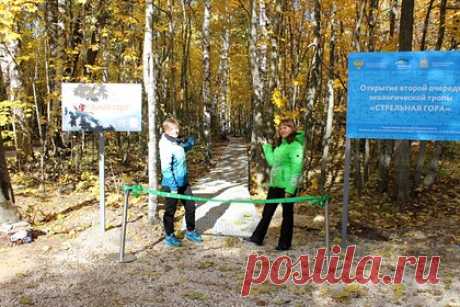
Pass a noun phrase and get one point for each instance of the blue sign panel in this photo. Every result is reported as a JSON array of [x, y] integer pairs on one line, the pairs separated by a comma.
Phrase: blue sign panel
[[404, 95]]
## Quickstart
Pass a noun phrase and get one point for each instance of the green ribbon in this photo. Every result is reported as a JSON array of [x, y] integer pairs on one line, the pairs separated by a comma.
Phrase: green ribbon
[[137, 190]]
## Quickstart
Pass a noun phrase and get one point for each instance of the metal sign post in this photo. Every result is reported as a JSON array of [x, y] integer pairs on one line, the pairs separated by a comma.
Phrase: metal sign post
[[101, 181], [326, 225], [346, 193], [125, 258]]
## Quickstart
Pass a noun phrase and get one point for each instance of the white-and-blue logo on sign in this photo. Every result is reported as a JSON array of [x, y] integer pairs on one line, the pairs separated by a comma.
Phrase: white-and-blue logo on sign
[[403, 63], [404, 95]]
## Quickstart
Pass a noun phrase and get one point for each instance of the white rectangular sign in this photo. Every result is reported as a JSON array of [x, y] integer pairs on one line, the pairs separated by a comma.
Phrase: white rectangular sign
[[101, 107]]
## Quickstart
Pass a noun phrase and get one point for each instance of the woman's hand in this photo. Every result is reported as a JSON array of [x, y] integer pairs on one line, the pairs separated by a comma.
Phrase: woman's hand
[[268, 153], [266, 144]]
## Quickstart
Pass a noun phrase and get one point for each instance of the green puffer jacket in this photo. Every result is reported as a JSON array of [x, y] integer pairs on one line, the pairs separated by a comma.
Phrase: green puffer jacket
[[286, 162]]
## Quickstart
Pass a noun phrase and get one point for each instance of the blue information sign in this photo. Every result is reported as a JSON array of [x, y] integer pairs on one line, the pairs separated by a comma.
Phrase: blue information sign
[[404, 95]]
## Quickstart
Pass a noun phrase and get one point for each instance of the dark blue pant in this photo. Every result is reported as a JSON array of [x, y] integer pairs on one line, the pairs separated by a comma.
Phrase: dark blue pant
[[287, 225], [170, 210]]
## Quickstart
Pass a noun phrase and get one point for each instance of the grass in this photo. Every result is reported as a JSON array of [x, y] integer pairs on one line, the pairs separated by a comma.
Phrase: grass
[[196, 296], [231, 242], [206, 264], [345, 294]]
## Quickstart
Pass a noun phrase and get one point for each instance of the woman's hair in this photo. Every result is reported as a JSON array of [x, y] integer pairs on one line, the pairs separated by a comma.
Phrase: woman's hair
[[291, 137], [169, 123]]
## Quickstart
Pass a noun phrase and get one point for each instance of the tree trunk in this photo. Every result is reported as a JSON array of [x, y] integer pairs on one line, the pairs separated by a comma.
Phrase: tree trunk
[[274, 80], [359, 20], [257, 171], [385, 147], [5, 184], [313, 83], [406, 25], [150, 89], [172, 58], [224, 109], [442, 24], [263, 67], [208, 108], [392, 13], [422, 147], [437, 146], [8, 214], [372, 22], [21, 125], [385, 152], [330, 102], [403, 148], [433, 168], [420, 164], [356, 144], [186, 39], [52, 35], [294, 55], [425, 25]]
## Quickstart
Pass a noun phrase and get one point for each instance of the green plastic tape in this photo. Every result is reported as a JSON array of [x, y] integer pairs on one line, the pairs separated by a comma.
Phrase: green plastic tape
[[137, 190]]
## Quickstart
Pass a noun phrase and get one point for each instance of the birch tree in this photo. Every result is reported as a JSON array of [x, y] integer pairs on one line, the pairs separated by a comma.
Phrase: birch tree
[[208, 108], [223, 74], [20, 122], [172, 57], [330, 101], [7, 213], [263, 65], [314, 77], [186, 31], [257, 171], [274, 82], [150, 90]]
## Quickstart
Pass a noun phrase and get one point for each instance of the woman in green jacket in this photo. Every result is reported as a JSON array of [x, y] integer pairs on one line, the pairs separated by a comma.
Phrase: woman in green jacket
[[286, 163]]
